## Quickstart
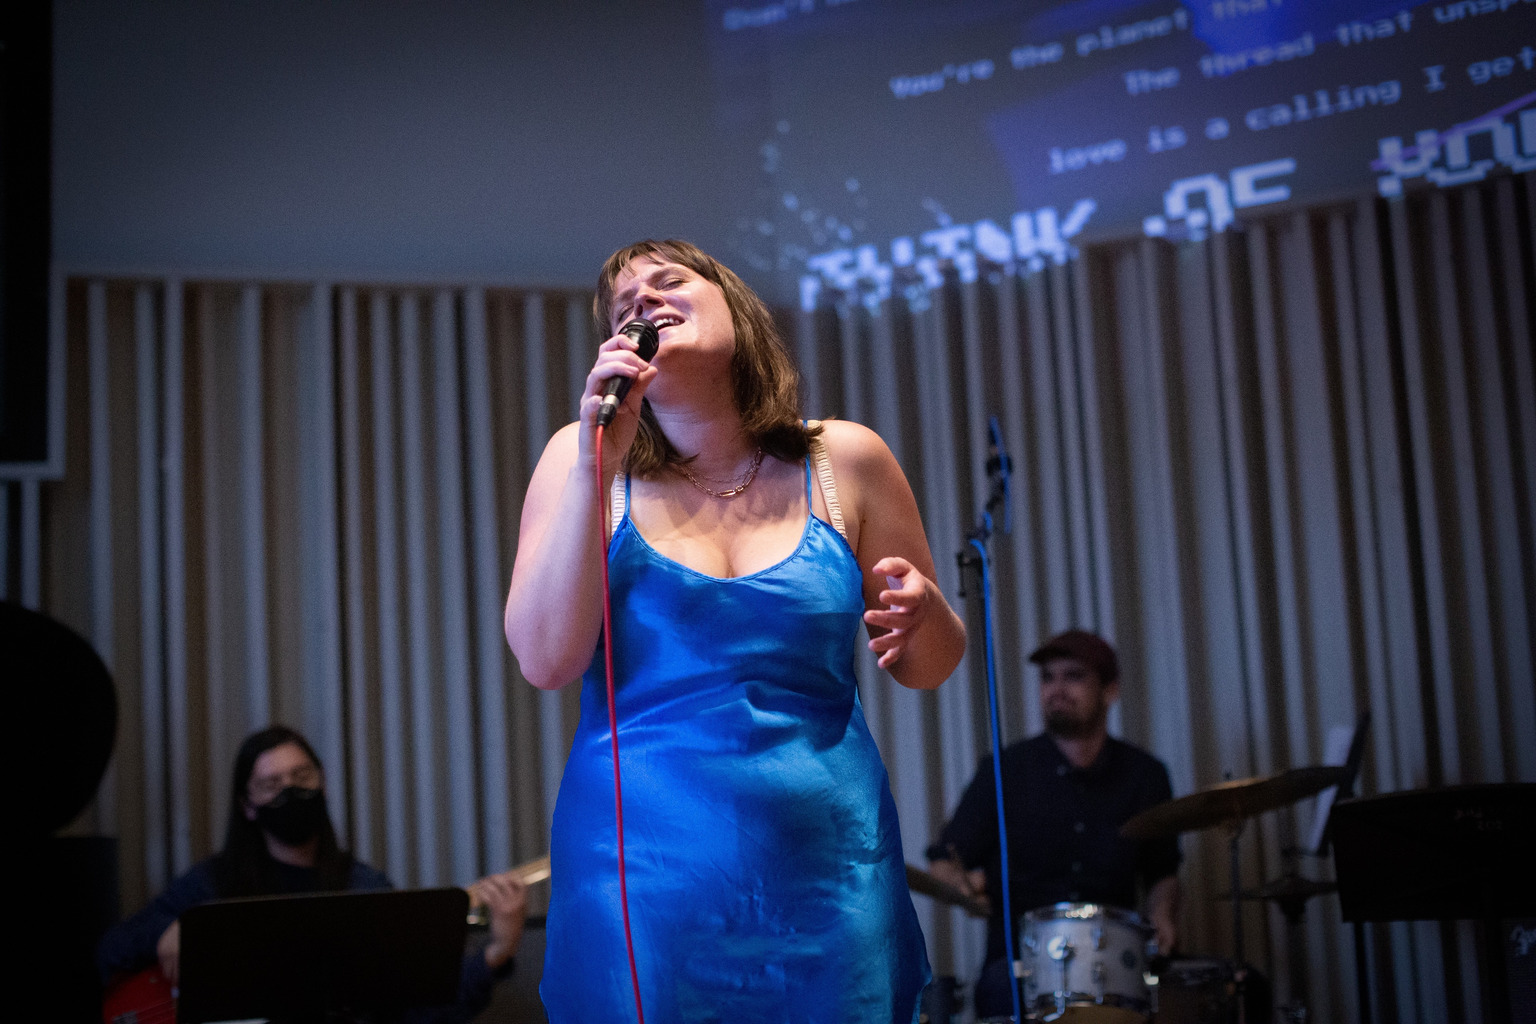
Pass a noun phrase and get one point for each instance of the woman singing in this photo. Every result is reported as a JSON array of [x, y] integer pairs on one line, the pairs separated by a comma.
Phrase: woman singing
[[766, 877]]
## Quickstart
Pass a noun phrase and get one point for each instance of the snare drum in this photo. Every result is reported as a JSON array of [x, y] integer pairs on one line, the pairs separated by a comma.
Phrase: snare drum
[[1085, 963]]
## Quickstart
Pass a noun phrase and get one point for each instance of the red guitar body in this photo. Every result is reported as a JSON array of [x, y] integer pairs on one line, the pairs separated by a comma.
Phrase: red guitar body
[[143, 998]]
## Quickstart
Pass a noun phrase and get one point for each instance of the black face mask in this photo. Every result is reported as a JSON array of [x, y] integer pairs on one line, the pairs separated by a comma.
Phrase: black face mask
[[294, 816]]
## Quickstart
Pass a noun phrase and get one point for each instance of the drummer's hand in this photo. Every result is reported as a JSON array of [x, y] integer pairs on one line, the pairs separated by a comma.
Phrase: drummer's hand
[[973, 883], [907, 602], [505, 897], [978, 880], [1166, 933], [1163, 912]]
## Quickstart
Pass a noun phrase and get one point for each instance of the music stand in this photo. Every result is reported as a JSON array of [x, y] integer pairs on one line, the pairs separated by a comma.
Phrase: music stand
[[1458, 853], [302, 957]]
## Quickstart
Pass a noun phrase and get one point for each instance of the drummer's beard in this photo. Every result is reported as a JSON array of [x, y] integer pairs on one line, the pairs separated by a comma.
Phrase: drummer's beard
[[1070, 724]]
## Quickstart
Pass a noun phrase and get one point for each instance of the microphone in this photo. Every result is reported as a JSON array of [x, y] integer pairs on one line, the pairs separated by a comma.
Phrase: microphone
[[645, 335], [1000, 471]]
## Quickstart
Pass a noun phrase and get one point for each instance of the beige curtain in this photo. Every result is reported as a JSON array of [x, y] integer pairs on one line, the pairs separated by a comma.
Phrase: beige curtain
[[1290, 470], [299, 504]]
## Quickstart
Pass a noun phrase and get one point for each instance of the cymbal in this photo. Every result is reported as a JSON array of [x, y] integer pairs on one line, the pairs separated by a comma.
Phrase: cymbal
[[1231, 802], [923, 882], [1286, 887]]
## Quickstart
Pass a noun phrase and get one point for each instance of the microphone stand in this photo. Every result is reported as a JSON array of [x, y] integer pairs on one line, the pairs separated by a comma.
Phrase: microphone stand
[[975, 558]]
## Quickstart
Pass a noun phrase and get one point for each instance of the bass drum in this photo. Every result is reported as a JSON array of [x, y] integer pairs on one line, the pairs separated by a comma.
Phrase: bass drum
[[1085, 963], [1196, 990]]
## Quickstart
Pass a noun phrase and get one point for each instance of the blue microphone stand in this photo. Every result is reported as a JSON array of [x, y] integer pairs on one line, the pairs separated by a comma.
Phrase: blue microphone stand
[[975, 557]]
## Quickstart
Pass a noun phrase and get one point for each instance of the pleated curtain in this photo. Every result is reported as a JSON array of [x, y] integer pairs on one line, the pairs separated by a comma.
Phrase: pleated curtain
[[1290, 470]]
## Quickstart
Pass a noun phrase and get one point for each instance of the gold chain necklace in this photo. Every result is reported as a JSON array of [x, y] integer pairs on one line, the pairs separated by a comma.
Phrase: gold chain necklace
[[741, 484]]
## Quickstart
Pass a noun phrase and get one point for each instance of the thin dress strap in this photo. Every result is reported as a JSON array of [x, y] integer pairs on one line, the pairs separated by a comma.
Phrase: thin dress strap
[[828, 485], [618, 501]]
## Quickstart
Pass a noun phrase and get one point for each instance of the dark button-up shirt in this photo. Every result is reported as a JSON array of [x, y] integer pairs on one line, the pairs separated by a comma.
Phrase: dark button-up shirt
[[1064, 841]]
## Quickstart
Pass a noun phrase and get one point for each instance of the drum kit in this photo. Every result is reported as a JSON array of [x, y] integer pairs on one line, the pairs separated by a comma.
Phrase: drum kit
[[1087, 963]]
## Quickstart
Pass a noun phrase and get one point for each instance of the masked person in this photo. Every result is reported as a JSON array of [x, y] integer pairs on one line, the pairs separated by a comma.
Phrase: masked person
[[280, 842]]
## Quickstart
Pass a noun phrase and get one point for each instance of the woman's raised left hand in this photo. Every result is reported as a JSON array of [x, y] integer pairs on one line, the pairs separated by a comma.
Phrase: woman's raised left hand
[[907, 599]]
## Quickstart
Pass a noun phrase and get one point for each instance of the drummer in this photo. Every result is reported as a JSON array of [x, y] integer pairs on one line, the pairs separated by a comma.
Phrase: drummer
[[1067, 793]]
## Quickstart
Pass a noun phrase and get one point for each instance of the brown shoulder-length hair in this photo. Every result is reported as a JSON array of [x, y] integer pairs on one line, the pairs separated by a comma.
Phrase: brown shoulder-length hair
[[763, 377]]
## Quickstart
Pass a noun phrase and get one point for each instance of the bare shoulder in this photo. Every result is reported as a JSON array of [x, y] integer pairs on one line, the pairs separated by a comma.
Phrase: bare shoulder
[[560, 452], [564, 439], [854, 448], [874, 492]]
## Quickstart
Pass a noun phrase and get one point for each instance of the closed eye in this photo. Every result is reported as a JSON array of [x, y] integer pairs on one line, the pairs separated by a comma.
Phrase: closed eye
[[623, 316]]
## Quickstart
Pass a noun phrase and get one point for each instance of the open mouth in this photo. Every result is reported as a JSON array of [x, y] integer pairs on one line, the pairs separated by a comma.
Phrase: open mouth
[[663, 322]]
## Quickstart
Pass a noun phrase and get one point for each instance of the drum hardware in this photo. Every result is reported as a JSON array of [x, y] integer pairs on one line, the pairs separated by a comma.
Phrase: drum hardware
[[1025, 976], [1060, 950], [1023, 970], [1229, 805], [1289, 886], [1203, 990], [1290, 892]]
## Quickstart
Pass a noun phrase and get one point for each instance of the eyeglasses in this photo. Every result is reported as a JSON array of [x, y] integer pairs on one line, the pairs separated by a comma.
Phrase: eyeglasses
[[264, 788]]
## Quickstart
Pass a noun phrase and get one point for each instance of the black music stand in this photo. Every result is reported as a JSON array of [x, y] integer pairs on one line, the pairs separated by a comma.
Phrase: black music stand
[[1453, 854], [300, 958]]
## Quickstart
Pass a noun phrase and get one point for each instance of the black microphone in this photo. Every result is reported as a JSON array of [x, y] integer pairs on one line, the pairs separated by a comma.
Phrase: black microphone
[[645, 335], [1000, 471]]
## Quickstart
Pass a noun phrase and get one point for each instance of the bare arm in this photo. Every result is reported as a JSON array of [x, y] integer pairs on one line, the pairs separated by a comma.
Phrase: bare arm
[[554, 605], [973, 883], [1163, 911], [918, 637], [506, 898]]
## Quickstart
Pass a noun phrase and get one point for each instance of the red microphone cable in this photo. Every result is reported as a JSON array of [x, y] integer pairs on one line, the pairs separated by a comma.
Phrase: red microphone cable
[[613, 731]]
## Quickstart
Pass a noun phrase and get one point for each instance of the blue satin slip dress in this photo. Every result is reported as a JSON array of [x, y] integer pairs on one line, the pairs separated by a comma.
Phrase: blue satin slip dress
[[766, 876]]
